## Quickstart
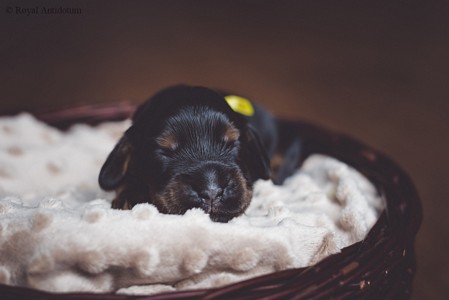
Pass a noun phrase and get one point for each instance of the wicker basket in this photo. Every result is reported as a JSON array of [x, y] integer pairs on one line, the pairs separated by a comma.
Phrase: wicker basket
[[379, 267]]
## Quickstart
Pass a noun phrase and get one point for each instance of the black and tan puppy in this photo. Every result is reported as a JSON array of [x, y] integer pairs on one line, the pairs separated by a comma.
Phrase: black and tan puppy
[[195, 147]]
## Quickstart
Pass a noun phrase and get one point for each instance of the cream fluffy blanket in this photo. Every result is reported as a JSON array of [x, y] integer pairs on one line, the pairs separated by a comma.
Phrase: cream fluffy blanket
[[57, 232]]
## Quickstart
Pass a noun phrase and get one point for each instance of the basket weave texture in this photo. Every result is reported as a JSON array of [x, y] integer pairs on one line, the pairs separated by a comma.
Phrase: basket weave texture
[[381, 266]]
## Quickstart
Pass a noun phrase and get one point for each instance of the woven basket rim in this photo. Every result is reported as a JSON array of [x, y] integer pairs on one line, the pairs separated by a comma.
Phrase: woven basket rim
[[365, 269]]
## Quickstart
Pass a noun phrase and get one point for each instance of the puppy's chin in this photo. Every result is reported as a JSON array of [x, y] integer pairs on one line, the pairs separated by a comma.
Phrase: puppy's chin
[[224, 217], [177, 197]]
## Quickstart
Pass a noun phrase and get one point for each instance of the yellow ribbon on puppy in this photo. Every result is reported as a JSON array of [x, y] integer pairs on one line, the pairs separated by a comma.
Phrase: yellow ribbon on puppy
[[240, 105]]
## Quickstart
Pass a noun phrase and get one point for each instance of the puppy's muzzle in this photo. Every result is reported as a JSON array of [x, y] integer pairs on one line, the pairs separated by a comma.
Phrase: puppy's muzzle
[[208, 185]]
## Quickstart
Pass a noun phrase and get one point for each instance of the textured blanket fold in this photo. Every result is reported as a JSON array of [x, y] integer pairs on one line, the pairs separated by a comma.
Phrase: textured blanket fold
[[58, 233]]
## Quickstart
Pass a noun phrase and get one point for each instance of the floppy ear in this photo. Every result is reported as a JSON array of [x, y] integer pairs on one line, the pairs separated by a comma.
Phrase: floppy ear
[[114, 169], [256, 156]]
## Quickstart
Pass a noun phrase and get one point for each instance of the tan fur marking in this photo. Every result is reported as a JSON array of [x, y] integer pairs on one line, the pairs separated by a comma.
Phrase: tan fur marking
[[276, 161], [167, 141], [231, 134], [127, 205], [275, 164], [126, 164], [116, 203], [119, 201]]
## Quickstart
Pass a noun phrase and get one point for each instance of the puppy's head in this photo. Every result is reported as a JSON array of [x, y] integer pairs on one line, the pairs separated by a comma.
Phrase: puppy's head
[[185, 149]]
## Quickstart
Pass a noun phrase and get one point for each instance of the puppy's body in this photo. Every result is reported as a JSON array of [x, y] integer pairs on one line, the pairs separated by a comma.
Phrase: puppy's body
[[187, 148]]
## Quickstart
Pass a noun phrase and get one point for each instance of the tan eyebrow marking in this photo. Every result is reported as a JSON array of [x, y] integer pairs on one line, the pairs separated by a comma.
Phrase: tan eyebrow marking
[[167, 141], [231, 134]]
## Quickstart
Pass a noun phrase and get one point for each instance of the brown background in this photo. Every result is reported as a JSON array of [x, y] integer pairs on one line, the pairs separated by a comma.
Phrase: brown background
[[377, 71]]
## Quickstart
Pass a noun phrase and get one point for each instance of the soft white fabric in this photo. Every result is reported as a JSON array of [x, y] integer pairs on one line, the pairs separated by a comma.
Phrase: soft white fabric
[[58, 233]]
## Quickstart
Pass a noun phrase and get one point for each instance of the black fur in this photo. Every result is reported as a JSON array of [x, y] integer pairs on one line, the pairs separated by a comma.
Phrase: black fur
[[187, 148]]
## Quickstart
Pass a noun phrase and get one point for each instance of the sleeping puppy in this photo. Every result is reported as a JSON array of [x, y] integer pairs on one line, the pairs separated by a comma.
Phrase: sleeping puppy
[[195, 147]]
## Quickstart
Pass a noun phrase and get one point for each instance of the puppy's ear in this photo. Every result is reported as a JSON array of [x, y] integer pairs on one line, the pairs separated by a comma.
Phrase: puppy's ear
[[256, 156], [114, 169]]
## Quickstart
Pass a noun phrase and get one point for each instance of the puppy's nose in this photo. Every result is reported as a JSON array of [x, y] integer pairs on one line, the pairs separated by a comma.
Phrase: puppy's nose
[[211, 194]]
